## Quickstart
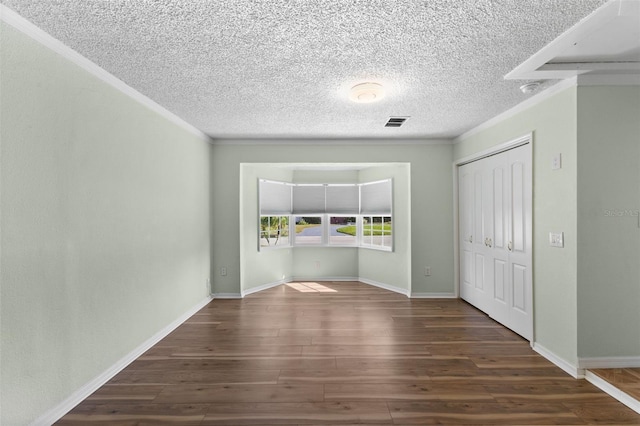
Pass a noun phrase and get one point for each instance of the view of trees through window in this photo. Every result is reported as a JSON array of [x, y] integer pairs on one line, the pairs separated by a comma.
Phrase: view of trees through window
[[274, 231]]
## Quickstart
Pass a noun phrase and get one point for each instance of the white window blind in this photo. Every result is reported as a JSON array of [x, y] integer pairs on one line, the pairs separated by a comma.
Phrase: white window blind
[[343, 199], [308, 199], [275, 198], [376, 197]]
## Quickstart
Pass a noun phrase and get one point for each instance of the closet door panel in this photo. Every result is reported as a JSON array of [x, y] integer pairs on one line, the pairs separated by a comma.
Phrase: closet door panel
[[495, 237]]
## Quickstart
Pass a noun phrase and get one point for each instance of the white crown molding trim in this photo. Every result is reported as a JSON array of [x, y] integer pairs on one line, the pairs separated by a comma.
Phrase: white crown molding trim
[[288, 141], [610, 362], [227, 296], [403, 291], [613, 391], [569, 368], [522, 106], [56, 413], [21, 24], [433, 296]]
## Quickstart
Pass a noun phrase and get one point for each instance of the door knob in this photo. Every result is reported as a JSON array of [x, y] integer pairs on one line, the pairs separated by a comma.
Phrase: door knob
[[510, 246]]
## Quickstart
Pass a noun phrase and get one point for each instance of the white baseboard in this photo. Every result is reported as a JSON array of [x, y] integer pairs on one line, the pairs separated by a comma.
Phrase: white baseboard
[[395, 289], [321, 279], [263, 287], [433, 296], [610, 362], [607, 387], [336, 279], [565, 365], [56, 413], [227, 296]]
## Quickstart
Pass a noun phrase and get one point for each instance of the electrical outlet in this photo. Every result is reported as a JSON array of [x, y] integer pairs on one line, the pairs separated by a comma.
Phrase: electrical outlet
[[427, 271], [556, 239], [223, 271], [317, 264], [556, 162]]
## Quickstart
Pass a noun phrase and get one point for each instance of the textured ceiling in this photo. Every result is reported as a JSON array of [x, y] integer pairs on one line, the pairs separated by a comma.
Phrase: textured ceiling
[[276, 68]]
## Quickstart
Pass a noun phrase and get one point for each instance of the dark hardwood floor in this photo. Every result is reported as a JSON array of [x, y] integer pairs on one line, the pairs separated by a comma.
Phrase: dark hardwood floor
[[625, 379], [344, 353]]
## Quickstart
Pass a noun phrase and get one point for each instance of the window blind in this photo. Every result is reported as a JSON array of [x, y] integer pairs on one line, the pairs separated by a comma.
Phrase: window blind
[[342, 199], [275, 198], [308, 199], [375, 197]]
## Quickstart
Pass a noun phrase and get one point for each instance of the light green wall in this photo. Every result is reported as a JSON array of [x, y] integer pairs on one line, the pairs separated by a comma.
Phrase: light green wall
[[259, 268], [393, 269], [104, 219], [322, 262], [553, 123], [264, 266], [608, 223], [431, 204]]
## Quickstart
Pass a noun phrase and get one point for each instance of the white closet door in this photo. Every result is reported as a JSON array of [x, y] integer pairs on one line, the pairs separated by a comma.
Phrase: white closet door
[[495, 237], [498, 255], [466, 231], [520, 242]]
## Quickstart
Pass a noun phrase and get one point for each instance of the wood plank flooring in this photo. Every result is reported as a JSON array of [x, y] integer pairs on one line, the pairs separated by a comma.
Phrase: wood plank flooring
[[625, 379], [344, 353]]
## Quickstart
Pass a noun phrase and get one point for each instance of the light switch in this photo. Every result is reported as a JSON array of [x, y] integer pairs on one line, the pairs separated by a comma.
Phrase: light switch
[[556, 239], [556, 162]]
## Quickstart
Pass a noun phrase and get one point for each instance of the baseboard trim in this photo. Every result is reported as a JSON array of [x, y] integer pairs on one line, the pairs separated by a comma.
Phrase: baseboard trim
[[569, 368], [609, 362], [384, 286], [56, 413], [433, 296], [227, 296], [262, 287], [323, 279], [616, 393], [367, 281]]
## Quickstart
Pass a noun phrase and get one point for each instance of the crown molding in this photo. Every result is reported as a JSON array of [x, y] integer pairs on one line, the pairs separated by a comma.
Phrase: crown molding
[[328, 141], [13, 19], [522, 106]]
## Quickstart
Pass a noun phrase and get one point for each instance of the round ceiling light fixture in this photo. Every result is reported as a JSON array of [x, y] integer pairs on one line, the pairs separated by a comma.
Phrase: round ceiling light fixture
[[366, 92]]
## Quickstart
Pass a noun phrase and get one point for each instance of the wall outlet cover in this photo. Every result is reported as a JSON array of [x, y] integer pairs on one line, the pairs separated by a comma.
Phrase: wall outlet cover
[[556, 239]]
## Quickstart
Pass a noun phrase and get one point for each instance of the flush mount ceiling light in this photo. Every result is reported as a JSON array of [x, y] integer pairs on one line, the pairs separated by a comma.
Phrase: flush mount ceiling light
[[366, 92]]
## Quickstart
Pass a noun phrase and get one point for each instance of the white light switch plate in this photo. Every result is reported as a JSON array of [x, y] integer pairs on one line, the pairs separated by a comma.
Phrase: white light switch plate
[[556, 162], [556, 239]]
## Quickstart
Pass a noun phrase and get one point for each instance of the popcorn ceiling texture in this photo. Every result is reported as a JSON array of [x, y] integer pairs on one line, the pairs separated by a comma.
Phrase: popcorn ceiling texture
[[276, 68]]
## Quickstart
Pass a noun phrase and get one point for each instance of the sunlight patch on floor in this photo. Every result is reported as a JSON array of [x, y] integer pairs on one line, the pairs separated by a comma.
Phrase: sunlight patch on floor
[[311, 287]]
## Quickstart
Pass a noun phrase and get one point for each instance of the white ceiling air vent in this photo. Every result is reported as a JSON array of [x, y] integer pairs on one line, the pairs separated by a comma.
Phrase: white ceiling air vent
[[396, 121]]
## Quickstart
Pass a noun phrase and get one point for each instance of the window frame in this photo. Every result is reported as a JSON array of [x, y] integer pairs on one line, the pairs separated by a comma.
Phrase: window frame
[[287, 228], [323, 234], [380, 206], [357, 222], [370, 244]]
